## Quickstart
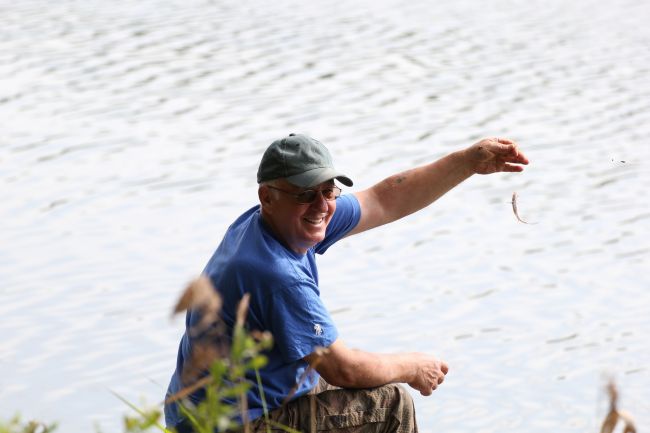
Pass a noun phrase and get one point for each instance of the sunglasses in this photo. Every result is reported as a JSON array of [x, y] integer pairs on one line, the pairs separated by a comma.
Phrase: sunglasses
[[309, 195]]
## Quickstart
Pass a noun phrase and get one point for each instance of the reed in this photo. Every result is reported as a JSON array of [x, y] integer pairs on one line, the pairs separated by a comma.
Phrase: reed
[[615, 414], [218, 365]]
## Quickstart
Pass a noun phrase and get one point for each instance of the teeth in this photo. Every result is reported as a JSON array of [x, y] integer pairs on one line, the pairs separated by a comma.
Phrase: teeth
[[318, 221]]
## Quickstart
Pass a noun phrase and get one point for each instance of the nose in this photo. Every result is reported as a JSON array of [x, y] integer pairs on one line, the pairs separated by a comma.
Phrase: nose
[[320, 203]]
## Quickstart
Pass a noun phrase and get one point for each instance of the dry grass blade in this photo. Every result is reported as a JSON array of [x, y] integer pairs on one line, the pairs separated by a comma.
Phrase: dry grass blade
[[313, 427], [201, 295], [615, 414], [202, 356], [188, 390], [240, 319], [319, 352], [261, 335], [242, 309]]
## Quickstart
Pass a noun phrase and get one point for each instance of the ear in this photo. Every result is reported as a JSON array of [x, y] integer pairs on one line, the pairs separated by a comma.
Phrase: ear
[[264, 195]]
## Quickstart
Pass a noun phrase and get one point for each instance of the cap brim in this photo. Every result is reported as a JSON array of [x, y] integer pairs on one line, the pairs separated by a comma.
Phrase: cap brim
[[317, 176]]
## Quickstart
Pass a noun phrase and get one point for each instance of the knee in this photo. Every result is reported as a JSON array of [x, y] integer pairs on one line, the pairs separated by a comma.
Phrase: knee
[[400, 395], [405, 396], [403, 408]]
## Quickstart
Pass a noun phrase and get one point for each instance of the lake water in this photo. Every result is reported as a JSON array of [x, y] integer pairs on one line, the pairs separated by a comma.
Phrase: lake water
[[131, 133]]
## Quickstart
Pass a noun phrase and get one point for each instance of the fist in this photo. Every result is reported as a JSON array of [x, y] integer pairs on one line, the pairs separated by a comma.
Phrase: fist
[[429, 373]]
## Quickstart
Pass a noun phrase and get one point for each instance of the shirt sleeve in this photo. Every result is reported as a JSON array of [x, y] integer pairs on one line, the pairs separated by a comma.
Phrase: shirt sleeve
[[345, 218], [300, 322]]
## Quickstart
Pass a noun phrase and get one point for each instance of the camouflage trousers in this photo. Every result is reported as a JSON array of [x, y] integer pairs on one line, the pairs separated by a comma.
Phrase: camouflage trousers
[[387, 408]]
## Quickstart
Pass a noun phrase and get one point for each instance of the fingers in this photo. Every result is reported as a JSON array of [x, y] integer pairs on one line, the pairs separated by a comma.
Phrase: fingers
[[512, 168], [429, 389], [432, 387], [509, 149], [431, 374], [439, 376], [426, 388]]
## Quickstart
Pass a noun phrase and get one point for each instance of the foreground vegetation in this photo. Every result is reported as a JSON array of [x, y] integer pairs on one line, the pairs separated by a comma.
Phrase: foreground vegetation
[[226, 365]]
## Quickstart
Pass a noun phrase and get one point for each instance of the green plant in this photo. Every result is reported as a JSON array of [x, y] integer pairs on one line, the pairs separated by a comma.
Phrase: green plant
[[218, 368], [15, 425], [226, 368]]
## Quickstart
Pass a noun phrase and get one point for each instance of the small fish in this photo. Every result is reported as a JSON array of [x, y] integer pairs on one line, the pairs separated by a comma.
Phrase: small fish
[[514, 208]]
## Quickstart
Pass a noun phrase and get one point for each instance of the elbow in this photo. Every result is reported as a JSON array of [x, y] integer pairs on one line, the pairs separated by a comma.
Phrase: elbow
[[345, 368], [343, 376]]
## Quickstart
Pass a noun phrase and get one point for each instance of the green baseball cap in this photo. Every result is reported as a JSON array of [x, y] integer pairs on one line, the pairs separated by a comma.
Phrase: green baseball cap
[[300, 160]]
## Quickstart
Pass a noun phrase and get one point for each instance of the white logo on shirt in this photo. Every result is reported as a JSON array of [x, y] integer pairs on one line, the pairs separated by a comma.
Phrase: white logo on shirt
[[318, 329]]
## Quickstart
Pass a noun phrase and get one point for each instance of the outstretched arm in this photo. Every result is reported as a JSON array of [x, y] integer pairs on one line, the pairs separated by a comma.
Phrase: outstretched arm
[[402, 194], [350, 368]]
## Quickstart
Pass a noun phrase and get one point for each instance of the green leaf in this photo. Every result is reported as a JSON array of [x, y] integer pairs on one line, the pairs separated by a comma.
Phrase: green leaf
[[257, 362]]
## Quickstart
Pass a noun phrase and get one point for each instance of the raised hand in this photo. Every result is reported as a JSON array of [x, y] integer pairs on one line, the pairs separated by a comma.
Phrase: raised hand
[[493, 155]]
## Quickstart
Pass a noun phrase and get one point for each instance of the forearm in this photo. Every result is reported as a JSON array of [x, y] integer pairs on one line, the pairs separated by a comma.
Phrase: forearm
[[402, 194], [348, 368], [365, 370]]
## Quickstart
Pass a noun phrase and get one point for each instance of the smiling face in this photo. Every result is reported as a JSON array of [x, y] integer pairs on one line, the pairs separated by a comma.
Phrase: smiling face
[[299, 226]]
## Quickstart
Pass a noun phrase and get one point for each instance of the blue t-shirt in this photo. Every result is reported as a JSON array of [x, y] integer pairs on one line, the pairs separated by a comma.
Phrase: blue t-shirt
[[285, 300]]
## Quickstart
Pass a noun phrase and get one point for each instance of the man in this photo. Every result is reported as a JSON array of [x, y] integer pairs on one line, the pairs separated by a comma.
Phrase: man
[[269, 252]]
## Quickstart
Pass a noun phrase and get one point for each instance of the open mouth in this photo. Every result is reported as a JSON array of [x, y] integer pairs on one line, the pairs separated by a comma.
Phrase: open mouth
[[314, 221]]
